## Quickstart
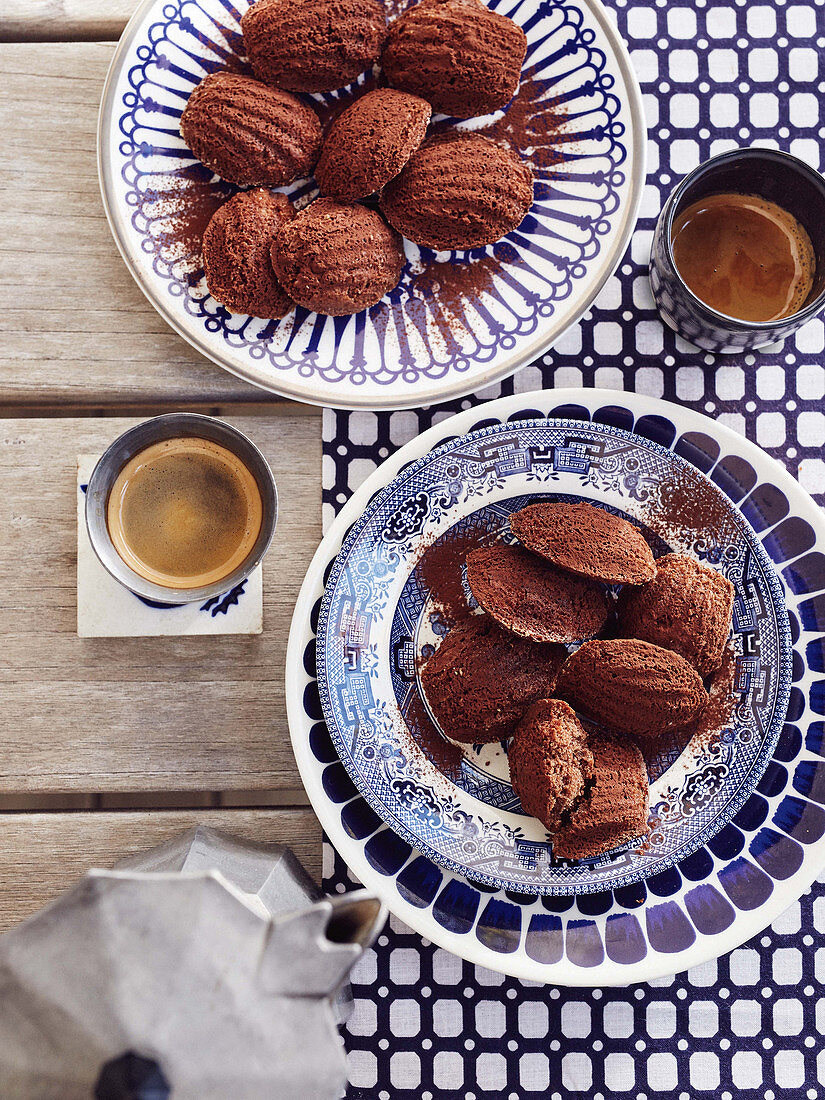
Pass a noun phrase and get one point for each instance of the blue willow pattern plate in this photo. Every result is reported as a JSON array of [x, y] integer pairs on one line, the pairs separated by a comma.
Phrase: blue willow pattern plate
[[378, 618], [740, 825], [440, 333]]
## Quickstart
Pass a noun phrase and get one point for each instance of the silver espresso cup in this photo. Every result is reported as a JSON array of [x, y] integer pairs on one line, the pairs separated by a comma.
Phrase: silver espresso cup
[[137, 439]]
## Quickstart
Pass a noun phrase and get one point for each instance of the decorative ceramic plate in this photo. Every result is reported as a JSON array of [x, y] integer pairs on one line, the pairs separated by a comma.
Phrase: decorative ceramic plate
[[739, 829], [457, 321], [382, 614]]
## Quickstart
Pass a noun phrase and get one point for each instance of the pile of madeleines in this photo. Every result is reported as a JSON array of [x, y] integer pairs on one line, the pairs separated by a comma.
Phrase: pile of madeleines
[[455, 190], [579, 721]]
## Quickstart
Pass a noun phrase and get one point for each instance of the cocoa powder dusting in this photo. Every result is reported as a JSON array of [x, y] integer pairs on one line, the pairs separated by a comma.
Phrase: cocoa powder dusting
[[230, 62], [719, 711], [669, 744], [439, 294], [184, 210], [685, 503], [453, 283], [441, 571], [533, 123], [443, 754]]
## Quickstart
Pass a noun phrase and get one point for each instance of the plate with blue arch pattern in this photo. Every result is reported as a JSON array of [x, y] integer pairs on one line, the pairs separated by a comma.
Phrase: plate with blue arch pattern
[[442, 332], [739, 823]]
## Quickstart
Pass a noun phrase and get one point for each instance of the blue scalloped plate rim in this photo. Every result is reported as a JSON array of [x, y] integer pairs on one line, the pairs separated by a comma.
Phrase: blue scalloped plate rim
[[412, 348], [722, 894]]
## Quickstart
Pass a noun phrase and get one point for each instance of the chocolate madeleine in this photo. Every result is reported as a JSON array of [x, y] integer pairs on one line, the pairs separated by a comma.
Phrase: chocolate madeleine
[[616, 807], [458, 191], [236, 248], [632, 686], [458, 54], [313, 45], [481, 680], [586, 540], [550, 762], [337, 258], [686, 608], [533, 599], [250, 134], [371, 142]]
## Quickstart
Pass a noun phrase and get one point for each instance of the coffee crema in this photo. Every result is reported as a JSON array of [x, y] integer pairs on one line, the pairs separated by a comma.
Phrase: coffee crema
[[184, 513], [744, 256]]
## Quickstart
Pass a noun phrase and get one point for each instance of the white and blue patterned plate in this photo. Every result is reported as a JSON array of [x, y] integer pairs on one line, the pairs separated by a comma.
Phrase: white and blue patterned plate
[[427, 341], [740, 829], [379, 618]]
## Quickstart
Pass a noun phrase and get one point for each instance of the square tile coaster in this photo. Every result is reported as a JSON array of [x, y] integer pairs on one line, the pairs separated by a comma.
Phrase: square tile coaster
[[105, 609]]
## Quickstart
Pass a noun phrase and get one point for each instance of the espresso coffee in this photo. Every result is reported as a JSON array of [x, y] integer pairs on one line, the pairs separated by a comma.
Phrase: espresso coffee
[[744, 256], [184, 513]]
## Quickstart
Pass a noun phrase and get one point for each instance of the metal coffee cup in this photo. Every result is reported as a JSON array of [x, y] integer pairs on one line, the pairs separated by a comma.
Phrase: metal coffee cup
[[137, 439]]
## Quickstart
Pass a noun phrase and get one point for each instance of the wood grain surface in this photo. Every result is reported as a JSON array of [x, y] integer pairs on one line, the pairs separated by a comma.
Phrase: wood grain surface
[[74, 327], [105, 728], [43, 854], [61, 20], [139, 714]]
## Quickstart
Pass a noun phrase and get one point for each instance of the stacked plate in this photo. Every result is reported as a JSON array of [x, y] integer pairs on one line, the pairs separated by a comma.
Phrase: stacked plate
[[737, 825]]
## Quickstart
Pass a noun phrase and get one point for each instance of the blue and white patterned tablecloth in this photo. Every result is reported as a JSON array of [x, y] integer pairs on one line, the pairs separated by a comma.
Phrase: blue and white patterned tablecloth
[[427, 1025]]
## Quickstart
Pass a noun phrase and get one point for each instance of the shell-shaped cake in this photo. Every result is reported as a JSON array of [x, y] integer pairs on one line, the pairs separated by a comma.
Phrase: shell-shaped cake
[[550, 762], [686, 607], [528, 596], [632, 686], [313, 45], [371, 142], [248, 133], [458, 191], [616, 808], [586, 540], [337, 258], [481, 679], [458, 54], [236, 247]]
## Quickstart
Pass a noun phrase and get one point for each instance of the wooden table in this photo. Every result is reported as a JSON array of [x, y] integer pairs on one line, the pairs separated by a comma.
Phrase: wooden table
[[108, 746]]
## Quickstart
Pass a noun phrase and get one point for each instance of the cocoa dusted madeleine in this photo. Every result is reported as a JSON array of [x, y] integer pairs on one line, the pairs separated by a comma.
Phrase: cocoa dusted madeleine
[[550, 762], [632, 686], [248, 133], [371, 142], [236, 247], [585, 540], [686, 607], [615, 809], [481, 680], [313, 45], [458, 191], [458, 54], [532, 598], [337, 258]]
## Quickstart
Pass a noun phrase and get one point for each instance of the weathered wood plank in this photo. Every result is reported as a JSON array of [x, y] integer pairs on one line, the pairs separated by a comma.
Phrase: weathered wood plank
[[64, 20], [74, 327], [43, 854], [138, 714]]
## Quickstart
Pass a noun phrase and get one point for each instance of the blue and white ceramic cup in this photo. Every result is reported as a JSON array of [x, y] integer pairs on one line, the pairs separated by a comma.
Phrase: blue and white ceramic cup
[[778, 177]]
